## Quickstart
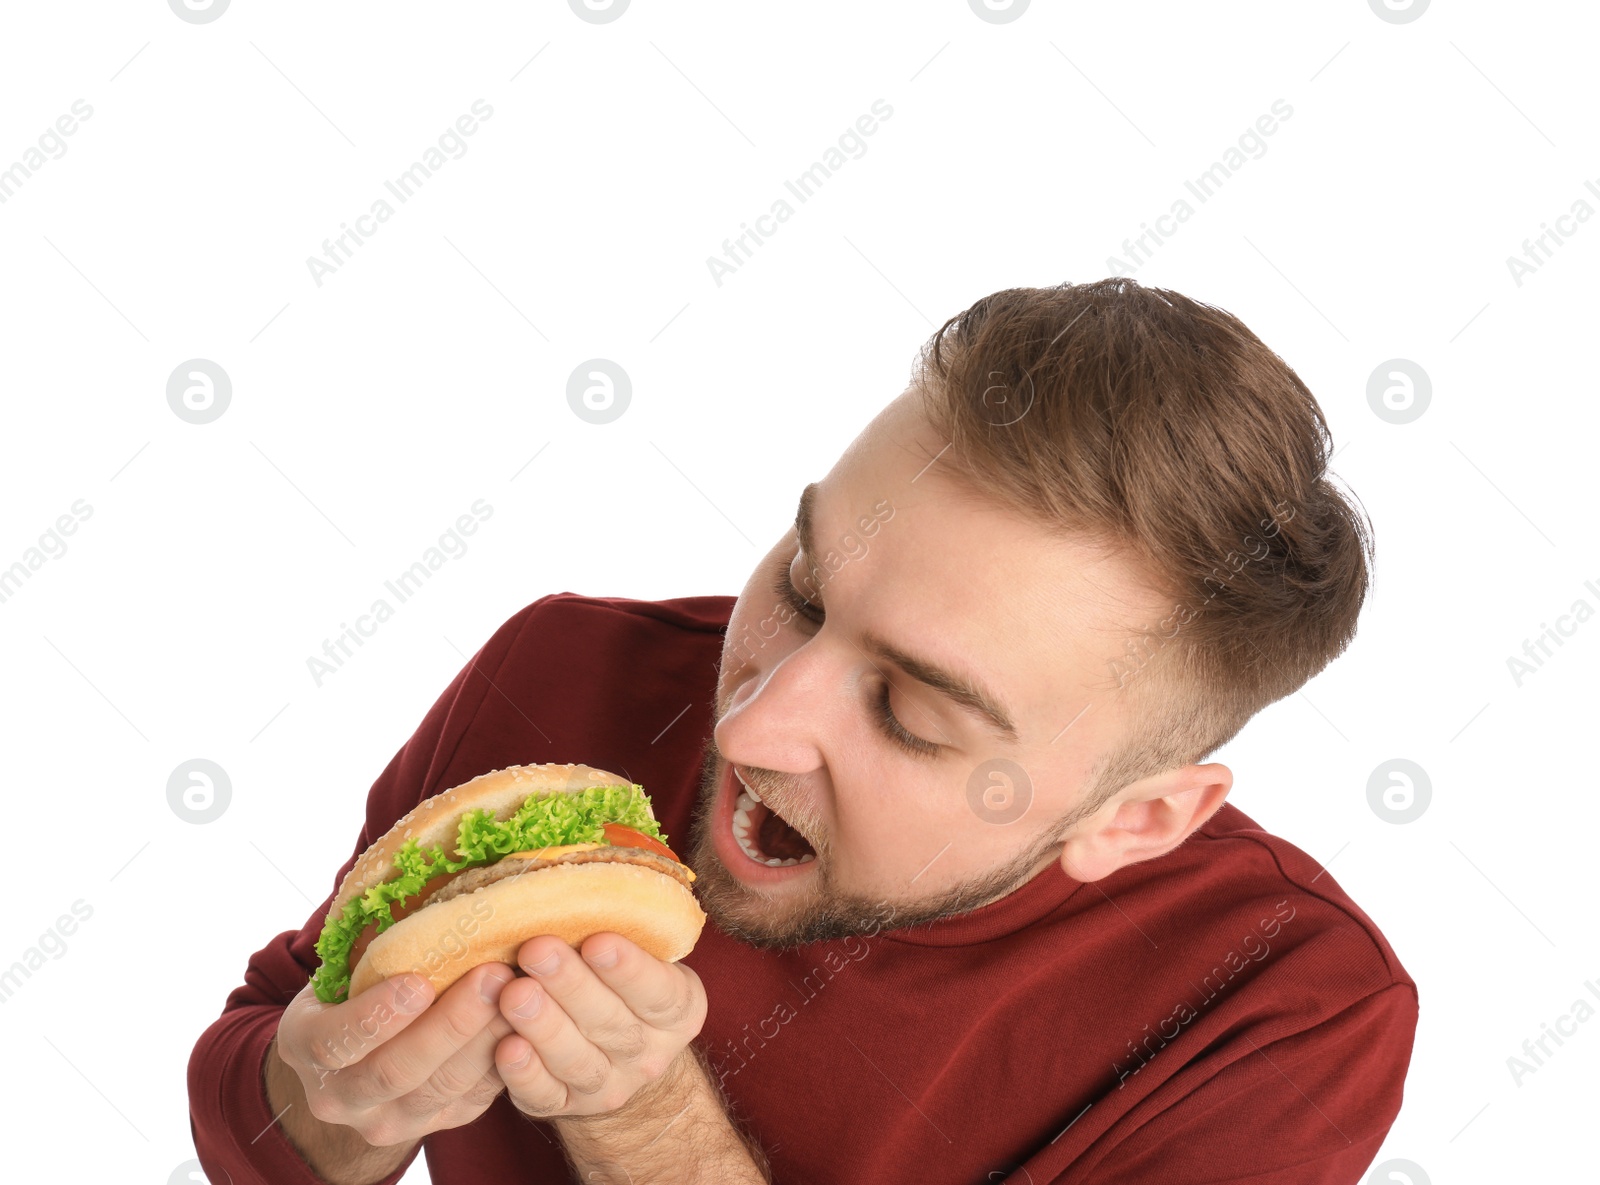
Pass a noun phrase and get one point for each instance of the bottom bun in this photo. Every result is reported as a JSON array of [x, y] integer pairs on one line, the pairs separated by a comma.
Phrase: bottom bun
[[443, 942]]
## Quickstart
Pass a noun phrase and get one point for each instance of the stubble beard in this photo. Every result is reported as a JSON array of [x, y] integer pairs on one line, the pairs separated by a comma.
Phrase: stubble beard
[[821, 912]]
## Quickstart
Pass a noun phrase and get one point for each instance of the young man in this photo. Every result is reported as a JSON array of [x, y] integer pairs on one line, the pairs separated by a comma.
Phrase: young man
[[978, 907]]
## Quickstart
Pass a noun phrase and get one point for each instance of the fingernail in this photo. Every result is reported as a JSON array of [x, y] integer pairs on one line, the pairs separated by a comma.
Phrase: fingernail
[[518, 1063], [489, 987], [546, 966], [529, 1007], [603, 958]]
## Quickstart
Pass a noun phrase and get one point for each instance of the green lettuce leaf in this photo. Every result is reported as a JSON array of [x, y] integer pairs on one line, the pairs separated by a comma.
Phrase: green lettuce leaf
[[543, 820]]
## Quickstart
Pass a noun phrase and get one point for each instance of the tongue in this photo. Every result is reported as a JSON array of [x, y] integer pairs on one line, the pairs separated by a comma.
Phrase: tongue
[[781, 841]]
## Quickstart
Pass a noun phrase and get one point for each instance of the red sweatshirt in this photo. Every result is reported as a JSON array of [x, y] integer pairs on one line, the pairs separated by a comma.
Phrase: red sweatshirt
[[1224, 1013]]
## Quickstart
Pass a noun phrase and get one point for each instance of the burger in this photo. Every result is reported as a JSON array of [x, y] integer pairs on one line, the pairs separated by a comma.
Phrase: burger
[[469, 875]]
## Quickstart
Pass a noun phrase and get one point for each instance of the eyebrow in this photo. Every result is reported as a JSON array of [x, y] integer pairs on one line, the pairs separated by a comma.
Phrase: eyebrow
[[961, 689]]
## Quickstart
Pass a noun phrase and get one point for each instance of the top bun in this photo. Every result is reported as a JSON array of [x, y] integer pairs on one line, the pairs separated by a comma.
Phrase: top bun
[[434, 820]]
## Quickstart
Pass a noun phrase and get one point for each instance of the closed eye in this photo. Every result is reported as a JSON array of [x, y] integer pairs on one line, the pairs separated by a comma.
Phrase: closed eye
[[888, 723]]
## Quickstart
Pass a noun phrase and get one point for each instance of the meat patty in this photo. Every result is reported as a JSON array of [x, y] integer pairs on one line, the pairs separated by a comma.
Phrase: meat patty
[[476, 878]]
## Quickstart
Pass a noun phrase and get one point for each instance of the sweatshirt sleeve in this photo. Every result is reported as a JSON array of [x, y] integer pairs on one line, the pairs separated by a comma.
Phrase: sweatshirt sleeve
[[234, 1132], [1309, 1109]]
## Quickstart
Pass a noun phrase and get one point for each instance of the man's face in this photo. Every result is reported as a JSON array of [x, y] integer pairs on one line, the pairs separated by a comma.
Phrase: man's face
[[915, 806]]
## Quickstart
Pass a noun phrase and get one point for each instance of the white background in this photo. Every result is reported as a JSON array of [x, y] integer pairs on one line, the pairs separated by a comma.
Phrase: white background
[[369, 412]]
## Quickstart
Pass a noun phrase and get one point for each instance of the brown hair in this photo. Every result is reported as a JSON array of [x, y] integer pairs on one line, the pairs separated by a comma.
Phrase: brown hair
[[1141, 420]]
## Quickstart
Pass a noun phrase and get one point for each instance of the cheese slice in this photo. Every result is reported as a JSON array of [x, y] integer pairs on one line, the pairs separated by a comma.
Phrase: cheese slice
[[558, 850]]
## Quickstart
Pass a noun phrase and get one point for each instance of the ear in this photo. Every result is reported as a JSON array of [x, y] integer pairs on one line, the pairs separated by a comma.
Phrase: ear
[[1145, 819]]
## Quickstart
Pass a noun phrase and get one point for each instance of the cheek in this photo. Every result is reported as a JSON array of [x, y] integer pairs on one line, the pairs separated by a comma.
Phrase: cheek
[[882, 821]]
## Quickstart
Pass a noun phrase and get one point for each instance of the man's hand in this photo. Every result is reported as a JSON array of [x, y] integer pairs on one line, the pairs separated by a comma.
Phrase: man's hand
[[604, 1055], [391, 1067], [592, 1032]]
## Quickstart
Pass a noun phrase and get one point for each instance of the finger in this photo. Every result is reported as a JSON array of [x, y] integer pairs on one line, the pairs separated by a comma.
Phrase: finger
[[463, 1073], [598, 1013], [401, 1065], [531, 1087], [458, 1075], [561, 1047], [474, 1102], [325, 1038], [666, 996]]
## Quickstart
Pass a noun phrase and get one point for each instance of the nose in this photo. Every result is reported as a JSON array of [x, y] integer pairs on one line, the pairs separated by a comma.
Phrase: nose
[[777, 717]]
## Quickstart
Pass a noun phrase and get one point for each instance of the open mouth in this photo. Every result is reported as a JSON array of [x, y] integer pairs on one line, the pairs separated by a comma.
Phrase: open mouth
[[763, 834]]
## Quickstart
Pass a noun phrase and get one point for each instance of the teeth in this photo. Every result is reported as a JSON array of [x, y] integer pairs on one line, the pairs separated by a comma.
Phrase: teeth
[[741, 832], [748, 789]]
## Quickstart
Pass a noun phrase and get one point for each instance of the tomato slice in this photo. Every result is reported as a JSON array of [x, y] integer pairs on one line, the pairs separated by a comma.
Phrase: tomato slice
[[619, 836], [397, 909]]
